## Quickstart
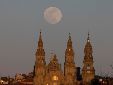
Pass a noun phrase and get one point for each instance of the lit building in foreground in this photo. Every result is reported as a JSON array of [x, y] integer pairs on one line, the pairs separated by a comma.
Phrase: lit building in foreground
[[52, 73]]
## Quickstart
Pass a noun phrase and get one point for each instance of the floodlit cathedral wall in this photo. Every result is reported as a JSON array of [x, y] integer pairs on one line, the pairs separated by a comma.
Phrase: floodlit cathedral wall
[[52, 74]]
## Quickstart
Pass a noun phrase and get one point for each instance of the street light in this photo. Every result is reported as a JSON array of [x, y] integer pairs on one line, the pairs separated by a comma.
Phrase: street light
[[100, 80]]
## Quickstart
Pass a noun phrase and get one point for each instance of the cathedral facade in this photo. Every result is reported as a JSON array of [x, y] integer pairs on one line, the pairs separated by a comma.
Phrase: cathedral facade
[[52, 74]]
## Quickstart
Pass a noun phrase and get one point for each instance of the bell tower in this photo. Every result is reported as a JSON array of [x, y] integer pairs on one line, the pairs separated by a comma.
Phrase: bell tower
[[69, 64], [88, 71], [40, 63]]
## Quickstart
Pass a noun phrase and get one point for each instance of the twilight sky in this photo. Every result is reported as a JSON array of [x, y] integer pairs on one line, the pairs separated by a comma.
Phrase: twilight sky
[[21, 21]]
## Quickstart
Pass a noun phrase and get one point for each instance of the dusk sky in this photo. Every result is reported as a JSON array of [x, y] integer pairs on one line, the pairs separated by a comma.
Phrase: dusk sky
[[21, 21]]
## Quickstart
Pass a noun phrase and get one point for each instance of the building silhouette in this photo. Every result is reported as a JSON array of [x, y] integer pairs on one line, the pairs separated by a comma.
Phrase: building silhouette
[[52, 74], [79, 77]]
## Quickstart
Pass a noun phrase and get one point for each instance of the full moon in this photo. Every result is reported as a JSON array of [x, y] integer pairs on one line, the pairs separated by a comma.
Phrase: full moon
[[53, 15]]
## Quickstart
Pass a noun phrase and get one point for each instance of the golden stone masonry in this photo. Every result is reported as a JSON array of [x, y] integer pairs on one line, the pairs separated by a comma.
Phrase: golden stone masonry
[[52, 73]]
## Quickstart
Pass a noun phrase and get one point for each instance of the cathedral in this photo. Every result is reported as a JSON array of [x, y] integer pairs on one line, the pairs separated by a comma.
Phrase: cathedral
[[52, 74]]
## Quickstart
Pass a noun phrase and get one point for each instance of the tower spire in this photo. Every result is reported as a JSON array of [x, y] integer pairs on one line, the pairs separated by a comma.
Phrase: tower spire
[[69, 51], [40, 42], [88, 38], [69, 43], [40, 49], [40, 63], [69, 64], [88, 48], [88, 71]]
